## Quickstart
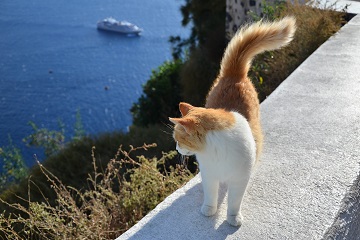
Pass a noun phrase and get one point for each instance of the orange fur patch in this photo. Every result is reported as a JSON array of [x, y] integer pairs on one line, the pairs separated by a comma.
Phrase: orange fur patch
[[191, 129]]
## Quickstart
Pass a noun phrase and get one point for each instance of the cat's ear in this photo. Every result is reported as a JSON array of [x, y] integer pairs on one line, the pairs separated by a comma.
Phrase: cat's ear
[[187, 123], [174, 120], [185, 108]]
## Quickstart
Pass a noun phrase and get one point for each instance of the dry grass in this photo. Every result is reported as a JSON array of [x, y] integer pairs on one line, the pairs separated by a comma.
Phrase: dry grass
[[113, 202], [314, 27]]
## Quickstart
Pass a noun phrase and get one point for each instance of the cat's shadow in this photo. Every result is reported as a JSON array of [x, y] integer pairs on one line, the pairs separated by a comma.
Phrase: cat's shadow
[[226, 229], [182, 217]]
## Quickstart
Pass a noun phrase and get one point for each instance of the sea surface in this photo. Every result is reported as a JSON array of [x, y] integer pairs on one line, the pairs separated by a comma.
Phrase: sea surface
[[54, 62]]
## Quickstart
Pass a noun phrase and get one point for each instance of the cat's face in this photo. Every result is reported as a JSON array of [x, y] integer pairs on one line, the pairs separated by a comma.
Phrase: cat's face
[[190, 130], [183, 148]]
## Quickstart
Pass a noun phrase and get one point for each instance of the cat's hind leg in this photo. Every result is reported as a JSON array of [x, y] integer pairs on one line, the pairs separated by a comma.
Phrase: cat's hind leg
[[210, 187], [236, 190]]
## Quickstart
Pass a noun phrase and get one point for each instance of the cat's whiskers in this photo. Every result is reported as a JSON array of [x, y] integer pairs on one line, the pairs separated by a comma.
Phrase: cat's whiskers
[[169, 126]]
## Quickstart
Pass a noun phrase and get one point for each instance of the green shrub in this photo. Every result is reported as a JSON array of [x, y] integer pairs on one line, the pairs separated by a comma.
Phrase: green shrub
[[13, 166], [161, 96], [51, 140]]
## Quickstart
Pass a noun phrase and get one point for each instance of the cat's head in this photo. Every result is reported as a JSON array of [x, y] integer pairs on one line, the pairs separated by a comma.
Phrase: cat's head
[[190, 130]]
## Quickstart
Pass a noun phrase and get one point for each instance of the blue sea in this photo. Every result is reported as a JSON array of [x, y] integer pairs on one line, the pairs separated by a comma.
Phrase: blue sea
[[54, 62]]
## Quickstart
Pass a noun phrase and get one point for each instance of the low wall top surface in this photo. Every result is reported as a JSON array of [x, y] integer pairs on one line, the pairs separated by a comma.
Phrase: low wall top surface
[[306, 185]]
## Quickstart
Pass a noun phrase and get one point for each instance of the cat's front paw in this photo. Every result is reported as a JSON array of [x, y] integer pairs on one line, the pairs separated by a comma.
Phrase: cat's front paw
[[235, 220], [208, 210]]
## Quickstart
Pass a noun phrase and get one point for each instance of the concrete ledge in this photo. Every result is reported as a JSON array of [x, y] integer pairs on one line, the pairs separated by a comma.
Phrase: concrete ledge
[[307, 183]]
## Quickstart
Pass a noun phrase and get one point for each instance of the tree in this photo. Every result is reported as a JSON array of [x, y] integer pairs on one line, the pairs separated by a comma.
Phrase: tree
[[207, 19], [204, 47], [13, 165], [51, 140], [161, 96]]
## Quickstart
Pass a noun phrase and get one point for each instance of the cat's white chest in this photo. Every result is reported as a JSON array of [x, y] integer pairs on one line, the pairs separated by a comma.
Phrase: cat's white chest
[[228, 152]]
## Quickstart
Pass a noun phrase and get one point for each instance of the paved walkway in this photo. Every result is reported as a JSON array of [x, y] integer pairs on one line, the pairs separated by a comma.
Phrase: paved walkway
[[307, 183]]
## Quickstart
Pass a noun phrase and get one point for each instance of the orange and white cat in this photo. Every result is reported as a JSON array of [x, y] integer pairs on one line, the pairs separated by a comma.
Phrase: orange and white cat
[[226, 135]]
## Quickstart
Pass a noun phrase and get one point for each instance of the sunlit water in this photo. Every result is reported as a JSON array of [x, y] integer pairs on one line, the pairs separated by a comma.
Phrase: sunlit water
[[54, 62]]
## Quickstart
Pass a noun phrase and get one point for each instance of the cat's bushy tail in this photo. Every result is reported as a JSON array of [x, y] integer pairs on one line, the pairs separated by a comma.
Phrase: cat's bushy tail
[[252, 40]]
